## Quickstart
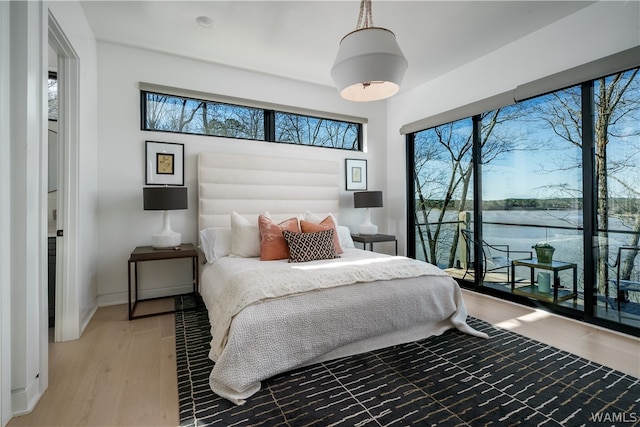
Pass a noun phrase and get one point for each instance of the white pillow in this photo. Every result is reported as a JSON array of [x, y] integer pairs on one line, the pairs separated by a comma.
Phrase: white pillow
[[317, 219], [245, 237], [215, 242], [344, 234]]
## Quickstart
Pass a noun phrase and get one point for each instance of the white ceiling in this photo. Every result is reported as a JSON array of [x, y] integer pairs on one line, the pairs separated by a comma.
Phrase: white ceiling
[[299, 39]]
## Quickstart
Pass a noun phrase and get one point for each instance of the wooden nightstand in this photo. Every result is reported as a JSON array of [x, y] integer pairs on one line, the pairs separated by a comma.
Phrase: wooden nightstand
[[374, 238], [148, 253]]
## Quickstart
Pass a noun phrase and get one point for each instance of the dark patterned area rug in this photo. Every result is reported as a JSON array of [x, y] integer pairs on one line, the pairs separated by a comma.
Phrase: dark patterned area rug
[[451, 380]]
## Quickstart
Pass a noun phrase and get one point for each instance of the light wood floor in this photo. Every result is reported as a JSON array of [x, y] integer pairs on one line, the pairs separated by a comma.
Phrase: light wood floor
[[119, 373], [122, 373], [609, 348]]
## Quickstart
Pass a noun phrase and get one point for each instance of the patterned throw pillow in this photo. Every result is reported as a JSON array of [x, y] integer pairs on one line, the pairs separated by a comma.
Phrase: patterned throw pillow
[[305, 247], [325, 224]]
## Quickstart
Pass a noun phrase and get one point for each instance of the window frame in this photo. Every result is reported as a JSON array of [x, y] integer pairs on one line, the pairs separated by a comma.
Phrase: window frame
[[269, 120], [589, 230]]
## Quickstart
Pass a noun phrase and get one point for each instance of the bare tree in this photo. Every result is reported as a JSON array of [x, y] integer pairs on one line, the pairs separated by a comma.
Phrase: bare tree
[[165, 112], [232, 121], [186, 110], [449, 185], [617, 104], [316, 131], [155, 107], [178, 114]]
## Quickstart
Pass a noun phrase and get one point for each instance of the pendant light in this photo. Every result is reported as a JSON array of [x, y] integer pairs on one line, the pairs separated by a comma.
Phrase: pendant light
[[369, 65]]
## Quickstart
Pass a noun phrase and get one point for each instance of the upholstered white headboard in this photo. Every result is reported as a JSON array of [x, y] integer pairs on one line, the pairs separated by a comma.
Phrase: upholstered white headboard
[[251, 185]]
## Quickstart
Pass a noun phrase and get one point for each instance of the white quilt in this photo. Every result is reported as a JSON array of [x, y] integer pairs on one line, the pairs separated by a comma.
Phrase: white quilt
[[268, 317]]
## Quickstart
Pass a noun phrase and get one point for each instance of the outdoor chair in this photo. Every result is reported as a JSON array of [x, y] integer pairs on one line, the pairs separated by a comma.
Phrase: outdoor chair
[[495, 257], [627, 279]]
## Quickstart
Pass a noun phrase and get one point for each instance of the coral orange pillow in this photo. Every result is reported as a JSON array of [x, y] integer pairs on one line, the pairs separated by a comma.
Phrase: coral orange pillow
[[325, 224], [272, 243]]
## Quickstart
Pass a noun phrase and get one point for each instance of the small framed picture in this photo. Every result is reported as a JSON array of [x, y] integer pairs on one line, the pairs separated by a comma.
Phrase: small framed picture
[[164, 163], [356, 173]]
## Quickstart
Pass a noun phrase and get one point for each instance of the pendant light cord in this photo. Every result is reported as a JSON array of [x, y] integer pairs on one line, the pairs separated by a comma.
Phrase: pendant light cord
[[365, 18]]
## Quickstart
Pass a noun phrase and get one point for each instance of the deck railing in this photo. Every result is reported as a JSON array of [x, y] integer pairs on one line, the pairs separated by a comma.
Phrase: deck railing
[[567, 240]]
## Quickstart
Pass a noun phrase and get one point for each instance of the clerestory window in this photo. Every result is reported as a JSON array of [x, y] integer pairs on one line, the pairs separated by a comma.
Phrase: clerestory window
[[180, 114]]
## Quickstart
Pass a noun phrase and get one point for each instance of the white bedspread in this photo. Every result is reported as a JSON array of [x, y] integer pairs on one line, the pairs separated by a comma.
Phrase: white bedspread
[[258, 333], [250, 282]]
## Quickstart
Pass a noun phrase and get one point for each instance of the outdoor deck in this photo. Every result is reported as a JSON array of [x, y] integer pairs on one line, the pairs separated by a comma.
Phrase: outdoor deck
[[629, 311]]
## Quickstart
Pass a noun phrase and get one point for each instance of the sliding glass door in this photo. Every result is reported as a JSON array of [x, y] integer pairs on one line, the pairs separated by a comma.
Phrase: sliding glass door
[[442, 183], [617, 181], [538, 201], [532, 195]]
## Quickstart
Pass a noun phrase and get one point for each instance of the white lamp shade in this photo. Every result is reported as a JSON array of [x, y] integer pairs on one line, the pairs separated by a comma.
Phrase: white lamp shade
[[369, 66]]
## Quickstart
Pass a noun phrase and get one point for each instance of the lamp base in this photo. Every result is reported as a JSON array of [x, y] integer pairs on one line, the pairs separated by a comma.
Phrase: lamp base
[[165, 240], [368, 229]]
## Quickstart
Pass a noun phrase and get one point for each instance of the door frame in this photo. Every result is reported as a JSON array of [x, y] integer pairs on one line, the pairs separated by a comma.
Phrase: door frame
[[5, 217], [67, 324]]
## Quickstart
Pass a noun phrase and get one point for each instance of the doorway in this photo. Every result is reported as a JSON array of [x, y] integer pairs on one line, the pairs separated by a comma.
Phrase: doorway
[[52, 181], [65, 305]]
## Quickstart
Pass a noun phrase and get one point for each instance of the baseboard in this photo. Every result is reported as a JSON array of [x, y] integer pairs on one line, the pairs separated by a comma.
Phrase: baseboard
[[87, 316], [533, 309], [121, 297], [25, 399]]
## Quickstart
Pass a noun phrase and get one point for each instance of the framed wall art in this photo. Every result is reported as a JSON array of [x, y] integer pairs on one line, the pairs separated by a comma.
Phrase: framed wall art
[[356, 173], [164, 163]]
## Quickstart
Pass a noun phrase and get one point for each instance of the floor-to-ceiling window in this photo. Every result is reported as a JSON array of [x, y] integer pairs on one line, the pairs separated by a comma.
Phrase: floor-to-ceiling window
[[532, 193], [533, 201], [443, 190], [617, 196]]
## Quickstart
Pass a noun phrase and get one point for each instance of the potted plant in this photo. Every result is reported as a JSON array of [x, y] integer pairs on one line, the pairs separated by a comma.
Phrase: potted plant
[[544, 252]]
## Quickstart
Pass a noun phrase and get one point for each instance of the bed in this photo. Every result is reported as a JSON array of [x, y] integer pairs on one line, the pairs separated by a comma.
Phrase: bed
[[271, 316]]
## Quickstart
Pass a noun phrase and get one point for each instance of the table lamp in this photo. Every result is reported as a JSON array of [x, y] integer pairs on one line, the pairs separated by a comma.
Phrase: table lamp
[[165, 199], [367, 199]]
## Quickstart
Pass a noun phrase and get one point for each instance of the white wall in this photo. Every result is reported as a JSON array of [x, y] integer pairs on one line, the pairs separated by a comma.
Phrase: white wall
[[123, 224], [592, 33], [24, 157], [5, 218], [28, 235]]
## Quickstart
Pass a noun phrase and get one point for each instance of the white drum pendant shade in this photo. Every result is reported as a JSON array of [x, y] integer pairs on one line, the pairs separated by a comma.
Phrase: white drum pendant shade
[[369, 65]]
